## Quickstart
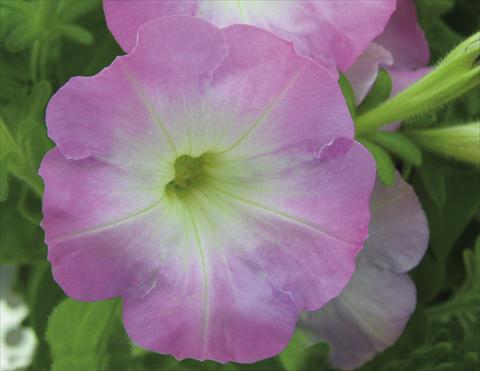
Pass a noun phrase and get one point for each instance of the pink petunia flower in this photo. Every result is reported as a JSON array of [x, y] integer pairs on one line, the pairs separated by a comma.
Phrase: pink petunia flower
[[358, 38], [371, 313], [326, 31], [209, 178]]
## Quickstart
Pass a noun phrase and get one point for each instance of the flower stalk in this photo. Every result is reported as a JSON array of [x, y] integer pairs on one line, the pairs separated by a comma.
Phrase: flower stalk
[[455, 75]]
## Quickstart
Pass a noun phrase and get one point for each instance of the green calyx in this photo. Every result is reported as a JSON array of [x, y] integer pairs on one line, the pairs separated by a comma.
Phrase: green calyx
[[456, 74], [189, 174], [460, 142]]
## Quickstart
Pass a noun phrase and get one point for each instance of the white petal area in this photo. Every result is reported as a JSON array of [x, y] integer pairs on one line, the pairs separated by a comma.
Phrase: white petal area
[[366, 318], [317, 189], [297, 257], [85, 194], [224, 13], [126, 253]]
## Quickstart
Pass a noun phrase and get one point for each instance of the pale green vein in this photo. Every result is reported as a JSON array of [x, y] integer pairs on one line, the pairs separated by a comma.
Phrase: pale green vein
[[150, 108], [222, 208], [264, 115], [103, 227], [281, 214], [362, 320], [204, 271], [241, 10]]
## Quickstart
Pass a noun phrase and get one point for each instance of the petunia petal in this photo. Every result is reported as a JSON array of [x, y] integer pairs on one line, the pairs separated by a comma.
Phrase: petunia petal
[[274, 92], [241, 301], [234, 314], [403, 79], [87, 193], [404, 38], [398, 228], [125, 97], [371, 313], [366, 318], [350, 26], [125, 17], [324, 30], [83, 199]]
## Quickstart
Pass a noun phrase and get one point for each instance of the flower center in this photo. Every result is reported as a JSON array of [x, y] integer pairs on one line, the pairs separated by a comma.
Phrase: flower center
[[189, 174]]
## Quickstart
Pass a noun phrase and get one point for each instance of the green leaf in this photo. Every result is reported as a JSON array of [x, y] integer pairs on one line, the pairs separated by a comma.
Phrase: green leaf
[[399, 145], [460, 201], [3, 179], [380, 92], [450, 198], [348, 93], [47, 13], [24, 8], [293, 356], [429, 12], [430, 266], [385, 167], [413, 337], [22, 37], [316, 358], [20, 240], [7, 148], [76, 33], [87, 336], [43, 295], [73, 9], [31, 139], [37, 101], [467, 297], [7, 143], [434, 182]]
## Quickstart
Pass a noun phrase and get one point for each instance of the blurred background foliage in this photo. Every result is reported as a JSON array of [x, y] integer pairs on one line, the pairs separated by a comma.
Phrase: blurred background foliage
[[44, 43]]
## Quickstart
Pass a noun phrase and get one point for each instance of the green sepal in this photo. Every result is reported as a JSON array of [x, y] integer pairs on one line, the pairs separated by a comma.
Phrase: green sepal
[[379, 93], [348, 93], [21, 242], [399, 145], [459, 142], [385, 166], [451, 78]]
